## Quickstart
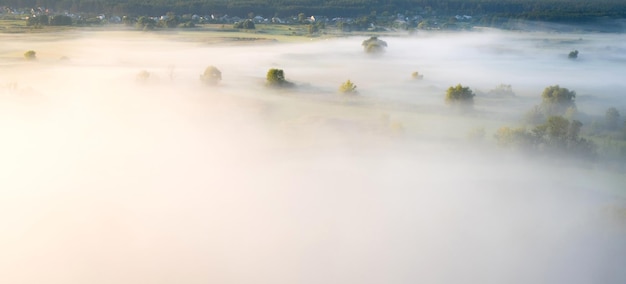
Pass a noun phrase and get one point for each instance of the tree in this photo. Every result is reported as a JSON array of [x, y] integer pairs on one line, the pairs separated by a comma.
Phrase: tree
[[612, 118], [38, 20], [276, 79], [556, 100], [61, 20], [170, 21], [348, 88], [146, 23], [374, 45], [459, 95], [573, 54], [502, 90], [247, 25], [556, 136], [211, 76], [30, 55], [301, 18]]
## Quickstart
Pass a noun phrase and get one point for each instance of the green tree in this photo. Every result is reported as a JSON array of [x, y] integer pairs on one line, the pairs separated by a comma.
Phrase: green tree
[[211, 76], [170, 21], [556, 100], [612, 119], [275, 78], [518, 138], [556, 136], [459, 95], [374, 45], [348, 88]]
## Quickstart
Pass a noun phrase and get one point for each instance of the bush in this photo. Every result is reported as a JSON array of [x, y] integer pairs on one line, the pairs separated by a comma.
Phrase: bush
[[374, 45], [417, 76], [276, 79], [30, 55], [247, 24], [348, 88], [145, 23], [211, 76], [556, 136], [573, 54], [61, 20]]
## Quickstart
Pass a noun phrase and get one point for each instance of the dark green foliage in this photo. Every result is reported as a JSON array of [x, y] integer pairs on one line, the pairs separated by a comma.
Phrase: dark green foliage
[[129, 21], [460, 96], [146, 23], [61, 20], [301, 18], [276, 79], [556, 136], [247, 25], [492, 12], [374, 45], [211, 76], [38, 20], [573, 54], [170, 21]]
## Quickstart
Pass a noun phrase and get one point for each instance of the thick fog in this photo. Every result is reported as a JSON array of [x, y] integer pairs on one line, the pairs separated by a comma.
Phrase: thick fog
[[107, 178]]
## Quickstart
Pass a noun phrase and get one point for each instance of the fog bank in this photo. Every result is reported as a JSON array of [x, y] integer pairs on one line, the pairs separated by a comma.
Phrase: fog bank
[[106, 179]]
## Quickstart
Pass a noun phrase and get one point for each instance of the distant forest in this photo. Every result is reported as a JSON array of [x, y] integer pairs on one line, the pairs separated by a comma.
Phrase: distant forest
[[545, 10]]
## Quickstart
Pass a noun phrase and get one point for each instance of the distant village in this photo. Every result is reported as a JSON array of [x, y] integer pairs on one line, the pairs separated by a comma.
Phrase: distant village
[[379, 22]]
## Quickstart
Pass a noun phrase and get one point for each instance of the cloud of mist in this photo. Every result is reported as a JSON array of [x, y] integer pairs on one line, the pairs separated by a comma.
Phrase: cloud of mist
[[104, 179]]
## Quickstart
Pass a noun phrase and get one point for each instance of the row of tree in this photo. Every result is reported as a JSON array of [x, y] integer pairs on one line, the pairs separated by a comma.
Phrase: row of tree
[[547, 10]]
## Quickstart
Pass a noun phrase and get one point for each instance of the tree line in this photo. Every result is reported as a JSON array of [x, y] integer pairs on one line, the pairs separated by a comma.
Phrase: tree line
[[547, 10]]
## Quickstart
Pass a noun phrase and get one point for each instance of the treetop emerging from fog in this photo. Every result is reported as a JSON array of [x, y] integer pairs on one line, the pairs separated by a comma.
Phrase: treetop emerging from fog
[[557, 99]]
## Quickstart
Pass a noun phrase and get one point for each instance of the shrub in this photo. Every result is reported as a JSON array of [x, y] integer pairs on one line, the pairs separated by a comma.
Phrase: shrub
[[247, 24], [348, 88], [276, 79], [211, 76], [30, 55], [374, 45], [417, 76]]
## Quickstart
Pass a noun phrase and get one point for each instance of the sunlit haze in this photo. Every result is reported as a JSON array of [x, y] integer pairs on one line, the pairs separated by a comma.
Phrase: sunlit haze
[[106, 177]]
